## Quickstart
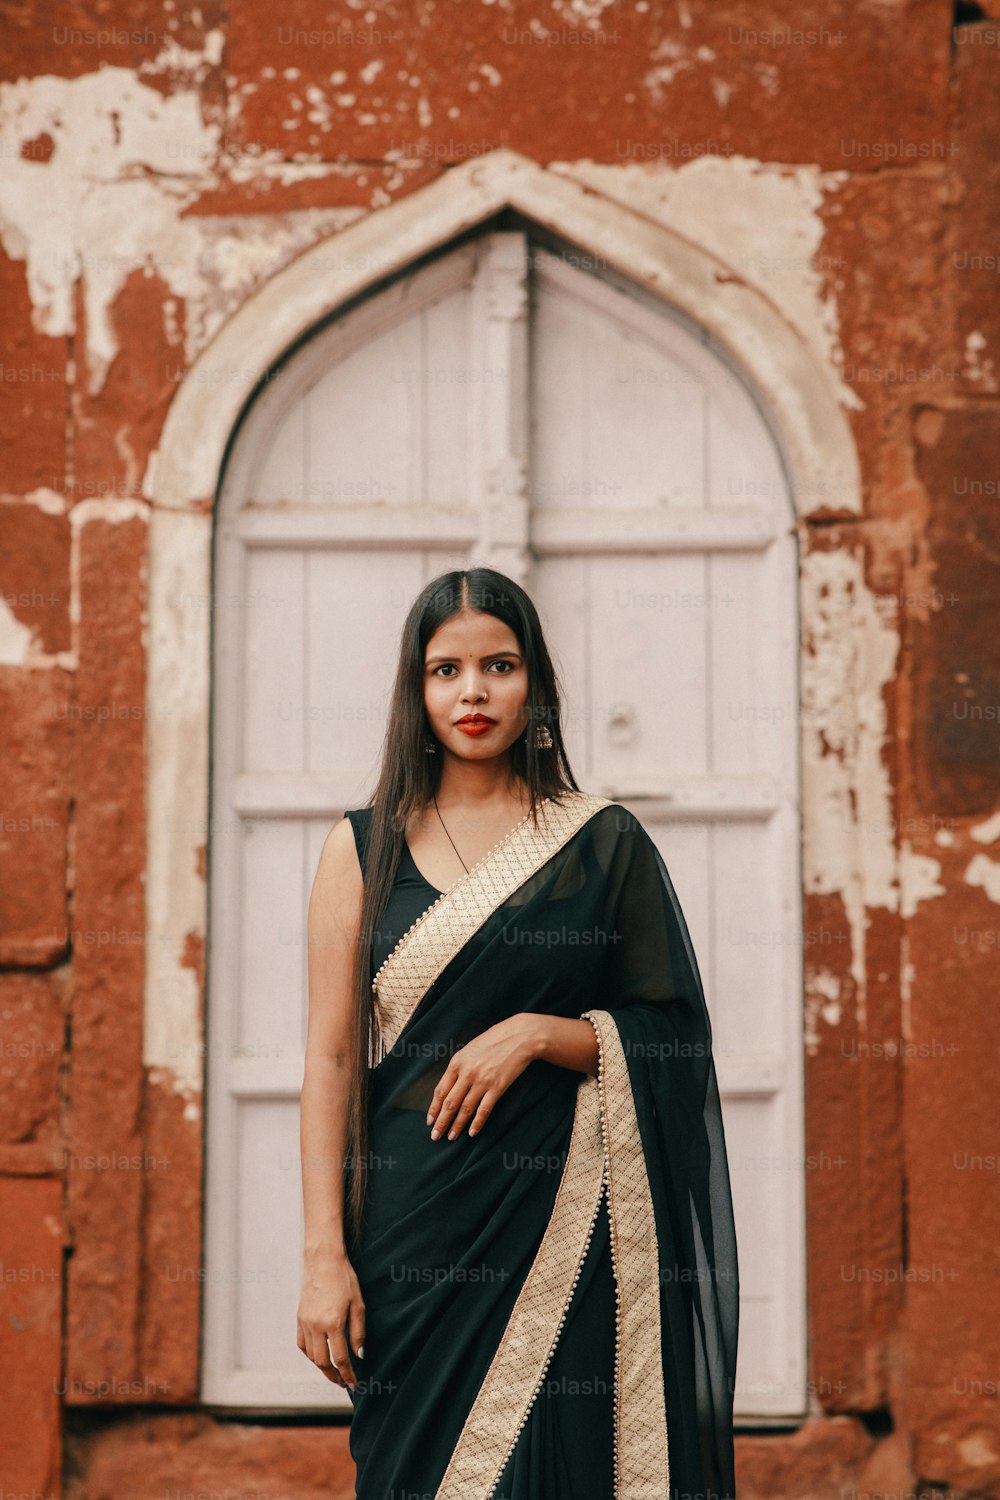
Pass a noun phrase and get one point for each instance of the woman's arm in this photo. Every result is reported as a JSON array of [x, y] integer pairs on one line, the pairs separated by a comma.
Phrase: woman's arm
[[481, 1071], [331, 1305], [332, 931], [565, 1042]]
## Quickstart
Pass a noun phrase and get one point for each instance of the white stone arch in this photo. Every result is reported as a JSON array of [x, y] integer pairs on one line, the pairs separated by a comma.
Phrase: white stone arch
[[798, 392], [795, 389]]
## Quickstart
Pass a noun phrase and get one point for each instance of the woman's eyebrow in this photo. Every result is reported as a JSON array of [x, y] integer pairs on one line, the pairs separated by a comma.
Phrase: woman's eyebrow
[[489, 655]]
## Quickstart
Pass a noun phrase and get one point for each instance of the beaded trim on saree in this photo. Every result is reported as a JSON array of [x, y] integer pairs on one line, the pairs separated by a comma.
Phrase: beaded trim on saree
[[432, 941], [605, 1153]]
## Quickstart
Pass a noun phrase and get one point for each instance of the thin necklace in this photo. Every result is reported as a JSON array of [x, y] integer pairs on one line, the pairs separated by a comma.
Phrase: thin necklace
[[450, 839]]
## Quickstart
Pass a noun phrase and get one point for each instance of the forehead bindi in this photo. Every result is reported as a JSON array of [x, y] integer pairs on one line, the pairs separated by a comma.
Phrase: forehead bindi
[[471, 645]]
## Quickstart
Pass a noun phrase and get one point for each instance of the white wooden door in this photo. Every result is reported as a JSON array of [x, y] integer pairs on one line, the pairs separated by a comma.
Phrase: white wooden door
[[501, 406]]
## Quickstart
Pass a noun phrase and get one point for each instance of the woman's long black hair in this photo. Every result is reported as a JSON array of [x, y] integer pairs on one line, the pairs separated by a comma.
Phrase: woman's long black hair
[[409, 778]]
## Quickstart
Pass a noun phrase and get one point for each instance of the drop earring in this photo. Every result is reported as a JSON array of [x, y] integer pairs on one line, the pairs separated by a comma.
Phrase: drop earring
[[429, 745]]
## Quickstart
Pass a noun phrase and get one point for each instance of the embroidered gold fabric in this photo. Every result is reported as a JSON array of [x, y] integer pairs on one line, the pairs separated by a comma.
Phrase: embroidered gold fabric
[[642, 1465], [605, 1148], [428, 947], [505, 1398]]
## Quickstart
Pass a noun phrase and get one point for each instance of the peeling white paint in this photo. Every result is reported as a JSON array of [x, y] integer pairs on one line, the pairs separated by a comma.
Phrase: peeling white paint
[[988, 832], [907, 977], [15, 637], [722, 91], [235, 255], [977, 1451], [178, 662], [49, 501], [113, 512], [822, 1001], [768, 77], [850, 654], [985, 873], [90, 210], [581, 10], [918, 879], [762, 220], [669, 58], [979, 370], [109, 202], [173, 58]]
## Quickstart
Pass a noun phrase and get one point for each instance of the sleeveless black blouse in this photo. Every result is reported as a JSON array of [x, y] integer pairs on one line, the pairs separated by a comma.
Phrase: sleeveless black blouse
[[409, 898]]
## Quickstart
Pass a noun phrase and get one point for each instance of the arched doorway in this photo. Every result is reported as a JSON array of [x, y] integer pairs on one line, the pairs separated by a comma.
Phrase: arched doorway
[[500, 404], [539, 274]]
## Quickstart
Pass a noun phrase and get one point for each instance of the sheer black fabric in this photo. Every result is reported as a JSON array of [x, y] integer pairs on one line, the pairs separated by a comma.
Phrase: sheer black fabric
[[452, 1227]]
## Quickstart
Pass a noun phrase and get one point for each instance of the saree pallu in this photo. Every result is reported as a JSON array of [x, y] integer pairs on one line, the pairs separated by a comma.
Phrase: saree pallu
[[551, 1304]]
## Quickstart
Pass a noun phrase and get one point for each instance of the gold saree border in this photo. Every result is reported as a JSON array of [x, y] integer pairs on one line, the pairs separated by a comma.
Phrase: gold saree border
[[642, 1459], [605, 1152], [430, 943], [605, 1149], [514, 1378]]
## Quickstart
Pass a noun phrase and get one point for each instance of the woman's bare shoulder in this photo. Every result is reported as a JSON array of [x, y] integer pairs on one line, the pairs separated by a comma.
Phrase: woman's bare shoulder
[[339, 864]]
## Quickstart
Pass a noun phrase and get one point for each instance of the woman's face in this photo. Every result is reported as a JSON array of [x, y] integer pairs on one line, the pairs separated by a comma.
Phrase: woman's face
[[473, 665]]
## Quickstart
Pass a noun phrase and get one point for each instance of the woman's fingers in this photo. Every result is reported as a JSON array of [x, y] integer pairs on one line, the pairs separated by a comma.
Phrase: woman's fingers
[[356, 1321], [315, 1345], [445, 1087], [465, 1112], [458, 1107], [484, 1111], [341, 1356], [449, 1104], [318, 1351]]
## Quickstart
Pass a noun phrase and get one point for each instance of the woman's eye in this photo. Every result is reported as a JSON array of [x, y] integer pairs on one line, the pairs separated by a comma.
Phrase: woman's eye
[[509, 665]]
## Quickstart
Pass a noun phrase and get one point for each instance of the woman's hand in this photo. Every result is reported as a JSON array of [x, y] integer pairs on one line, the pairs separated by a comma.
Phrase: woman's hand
[[331, 1307], [481, 1071]]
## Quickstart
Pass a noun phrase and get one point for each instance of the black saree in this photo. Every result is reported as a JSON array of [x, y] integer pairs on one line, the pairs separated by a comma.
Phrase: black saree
[[552, 1304]]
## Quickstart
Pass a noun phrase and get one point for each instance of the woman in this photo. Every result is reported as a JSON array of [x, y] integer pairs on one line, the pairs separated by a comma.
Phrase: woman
[[525, 1274]]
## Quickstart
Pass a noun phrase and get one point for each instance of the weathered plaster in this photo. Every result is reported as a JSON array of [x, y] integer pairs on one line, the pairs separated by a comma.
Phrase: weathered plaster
[[110, 201], [48, 501], [987, 832], [985, 873], [18, 647], [918, 879], [797, 389], [823, 1001], [850, 651], [177, 796], [111, 511], [762, 220], [977, 367], [15, 637], [91, 210]]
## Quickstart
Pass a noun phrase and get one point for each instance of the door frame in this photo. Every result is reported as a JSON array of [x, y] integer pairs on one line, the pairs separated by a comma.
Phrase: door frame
[[796, 389]]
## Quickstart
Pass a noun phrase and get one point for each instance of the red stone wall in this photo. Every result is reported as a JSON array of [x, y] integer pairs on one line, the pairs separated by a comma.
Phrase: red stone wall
[[100, 1171]]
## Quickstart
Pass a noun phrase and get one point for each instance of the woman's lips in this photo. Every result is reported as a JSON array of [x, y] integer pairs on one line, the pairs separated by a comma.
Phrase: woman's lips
[[475, 726]]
